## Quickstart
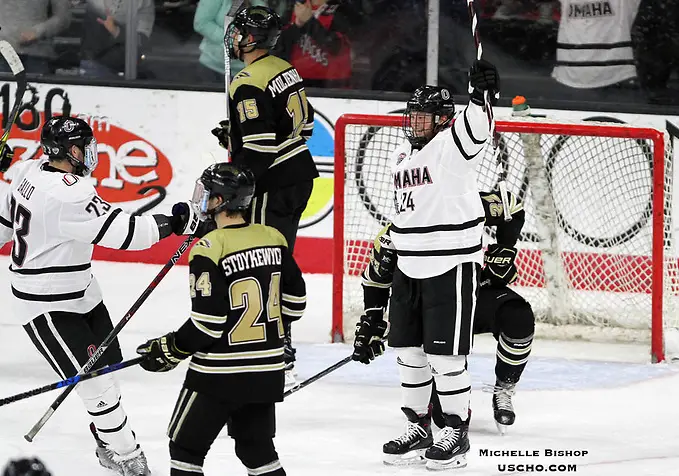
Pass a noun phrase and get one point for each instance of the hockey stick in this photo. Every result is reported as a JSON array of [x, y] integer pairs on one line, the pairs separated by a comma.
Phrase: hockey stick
[[19, 73], [109, 339], [70, 381], [319, 375], [228, 18], [489, 111]]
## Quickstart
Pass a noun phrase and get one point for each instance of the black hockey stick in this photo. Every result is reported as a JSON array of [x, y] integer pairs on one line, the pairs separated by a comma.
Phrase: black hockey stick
[[228, 18], [71, 381], [318, 376], [19, 73], [109, 339], [494, 136]]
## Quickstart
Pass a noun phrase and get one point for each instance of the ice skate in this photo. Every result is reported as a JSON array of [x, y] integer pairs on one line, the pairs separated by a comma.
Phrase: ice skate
[[409, 448], [450, 447], [130, 464], [503, 410]]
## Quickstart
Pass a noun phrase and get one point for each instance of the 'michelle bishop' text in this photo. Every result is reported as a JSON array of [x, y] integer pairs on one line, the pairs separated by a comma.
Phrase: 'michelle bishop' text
[[549, 453]]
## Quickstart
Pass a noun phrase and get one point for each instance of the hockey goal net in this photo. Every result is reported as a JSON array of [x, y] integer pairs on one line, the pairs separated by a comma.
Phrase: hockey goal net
[[596, 256]]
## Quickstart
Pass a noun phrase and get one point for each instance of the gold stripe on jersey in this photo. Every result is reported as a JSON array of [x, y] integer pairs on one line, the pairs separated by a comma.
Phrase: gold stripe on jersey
[[204, 369], [267, 149], [367, 281], [293, 299], [252, 354], [205, 330], [208, 318], [256, 137], [292, 312], [289, 155], [225, 241]]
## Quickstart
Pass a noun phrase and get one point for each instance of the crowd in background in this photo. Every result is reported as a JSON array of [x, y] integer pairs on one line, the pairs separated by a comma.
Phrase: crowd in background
[[541, 46]]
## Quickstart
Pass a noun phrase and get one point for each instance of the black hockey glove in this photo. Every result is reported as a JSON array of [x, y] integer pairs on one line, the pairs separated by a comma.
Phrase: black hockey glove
[[161, 354], [6, 156], [500, 269], [184, 221], [483, 76], [369, 340], [222, 133], [288, 351]]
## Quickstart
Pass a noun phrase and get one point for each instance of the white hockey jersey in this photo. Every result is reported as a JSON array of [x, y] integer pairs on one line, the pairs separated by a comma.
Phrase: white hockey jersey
[[439, 216], [55, 219], [594, 43]]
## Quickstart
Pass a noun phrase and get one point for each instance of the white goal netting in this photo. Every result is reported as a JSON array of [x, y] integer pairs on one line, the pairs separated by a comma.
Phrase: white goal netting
[[590, 244]]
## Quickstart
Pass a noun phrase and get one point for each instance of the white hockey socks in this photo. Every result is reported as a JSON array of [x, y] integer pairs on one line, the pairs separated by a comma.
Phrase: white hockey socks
[[453, 383], [416, 379], [101, 397]]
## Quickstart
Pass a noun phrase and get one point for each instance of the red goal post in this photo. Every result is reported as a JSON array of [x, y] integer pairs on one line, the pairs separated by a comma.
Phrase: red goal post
[[597, 248]]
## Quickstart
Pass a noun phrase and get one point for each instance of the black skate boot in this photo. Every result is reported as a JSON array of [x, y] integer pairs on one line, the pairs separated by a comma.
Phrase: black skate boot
[[451, 446], [503, 410], [409, 448]]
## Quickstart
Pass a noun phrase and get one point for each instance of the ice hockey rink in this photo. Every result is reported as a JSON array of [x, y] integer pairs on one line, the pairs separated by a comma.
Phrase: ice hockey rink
[[605, 401]]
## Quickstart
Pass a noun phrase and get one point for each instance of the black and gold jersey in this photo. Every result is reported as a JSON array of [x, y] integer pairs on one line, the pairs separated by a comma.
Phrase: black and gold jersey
[[379, 272], [243, 283], [271, 121]]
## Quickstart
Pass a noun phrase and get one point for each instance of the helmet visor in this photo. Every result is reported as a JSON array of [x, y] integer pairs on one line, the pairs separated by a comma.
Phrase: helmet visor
[[91, 155], [199, 201]]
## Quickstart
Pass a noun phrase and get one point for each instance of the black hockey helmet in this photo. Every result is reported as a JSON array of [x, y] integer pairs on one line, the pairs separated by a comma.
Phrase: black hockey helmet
[[434, 100], [262, 23], [25, 467], [234, 183], [59, 134]]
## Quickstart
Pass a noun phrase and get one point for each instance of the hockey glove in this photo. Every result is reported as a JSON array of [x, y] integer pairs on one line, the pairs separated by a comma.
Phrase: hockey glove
[[483, 76], [6, 156], [369, 340], [184, 220], [500, 269], [288, 351], [161, 354], [222, 133]]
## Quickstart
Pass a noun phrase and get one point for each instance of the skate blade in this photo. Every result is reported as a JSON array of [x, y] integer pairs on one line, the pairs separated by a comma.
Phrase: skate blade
[[456, 462], [415, 457], [501, 428]]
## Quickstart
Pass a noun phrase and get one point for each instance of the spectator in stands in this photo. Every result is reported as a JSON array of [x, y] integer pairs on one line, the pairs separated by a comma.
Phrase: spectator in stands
[[316, 42], [103, 42], [28, 28], [657, 48], [209, 22]]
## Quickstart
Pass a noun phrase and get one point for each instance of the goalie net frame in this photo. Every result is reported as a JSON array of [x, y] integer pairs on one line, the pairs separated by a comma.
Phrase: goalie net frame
[[532, 127]]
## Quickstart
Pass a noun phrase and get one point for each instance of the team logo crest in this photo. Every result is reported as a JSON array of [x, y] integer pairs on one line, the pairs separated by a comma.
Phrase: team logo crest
[[69, 126], [205, 243]]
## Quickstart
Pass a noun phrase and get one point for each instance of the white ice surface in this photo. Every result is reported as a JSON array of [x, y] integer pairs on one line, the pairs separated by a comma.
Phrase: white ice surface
[[602, 398]]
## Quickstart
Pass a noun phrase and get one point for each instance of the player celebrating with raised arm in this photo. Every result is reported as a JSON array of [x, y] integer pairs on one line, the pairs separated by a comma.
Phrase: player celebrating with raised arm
[[437, 231], [244, 286], [499, 310], [271, 121], [55, 217]]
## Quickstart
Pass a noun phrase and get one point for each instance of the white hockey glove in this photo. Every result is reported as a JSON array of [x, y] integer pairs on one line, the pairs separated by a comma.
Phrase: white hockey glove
[[184, 220]]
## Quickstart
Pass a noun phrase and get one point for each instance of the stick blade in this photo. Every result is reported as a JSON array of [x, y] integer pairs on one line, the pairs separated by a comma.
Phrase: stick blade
[[11, 57]]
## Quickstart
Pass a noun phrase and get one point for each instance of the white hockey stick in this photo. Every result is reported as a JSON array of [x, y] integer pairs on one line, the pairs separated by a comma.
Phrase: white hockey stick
[[19, 73], [489, 111]]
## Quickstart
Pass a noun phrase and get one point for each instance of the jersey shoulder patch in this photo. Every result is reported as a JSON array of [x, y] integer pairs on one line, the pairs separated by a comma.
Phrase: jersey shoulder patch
[[209, 246], [259, 74]]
